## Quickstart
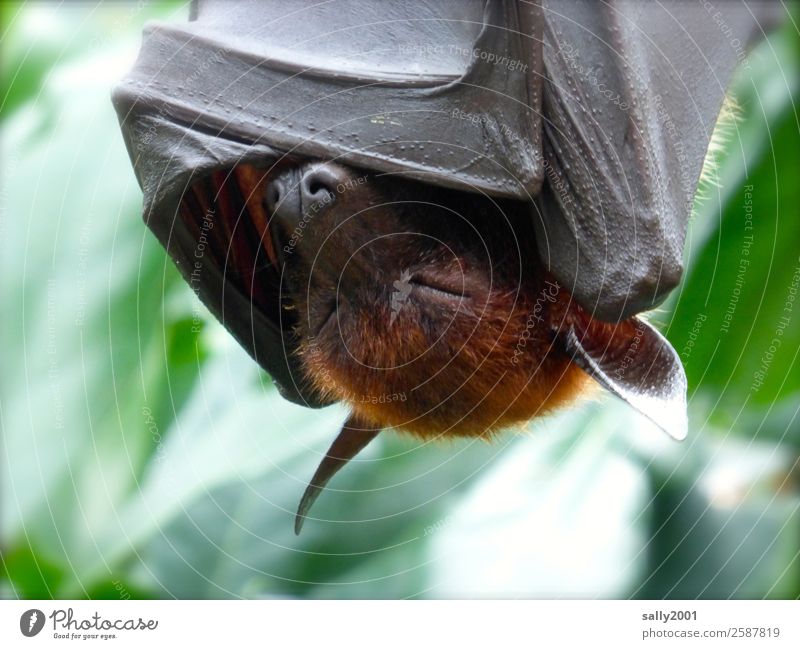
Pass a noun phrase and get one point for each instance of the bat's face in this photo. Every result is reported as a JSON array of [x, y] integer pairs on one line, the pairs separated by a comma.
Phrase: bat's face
[[423, 308]]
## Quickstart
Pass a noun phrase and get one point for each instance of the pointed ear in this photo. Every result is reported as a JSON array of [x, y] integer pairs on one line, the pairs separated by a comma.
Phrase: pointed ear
[[635, 362], [353, 437]]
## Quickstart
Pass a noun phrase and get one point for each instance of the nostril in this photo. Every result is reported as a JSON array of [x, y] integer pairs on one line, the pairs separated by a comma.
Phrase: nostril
[[317, 188], [319, 185], [273, 195]]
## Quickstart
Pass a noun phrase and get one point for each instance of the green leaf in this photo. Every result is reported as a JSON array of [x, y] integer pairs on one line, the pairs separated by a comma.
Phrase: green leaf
[[408, 519], [736, 324], [731, 525], [35, 36], [85, 347]]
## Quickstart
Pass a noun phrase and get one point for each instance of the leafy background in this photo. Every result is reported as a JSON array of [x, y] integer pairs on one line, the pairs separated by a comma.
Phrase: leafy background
[[140, 459]]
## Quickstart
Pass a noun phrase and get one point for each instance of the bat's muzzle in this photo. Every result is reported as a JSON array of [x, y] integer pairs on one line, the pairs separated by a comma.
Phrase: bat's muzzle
[[301, 191], [296, 195]]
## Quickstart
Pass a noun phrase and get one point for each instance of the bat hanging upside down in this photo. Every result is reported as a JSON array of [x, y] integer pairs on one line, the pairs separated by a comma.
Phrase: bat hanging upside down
[[343, 168], [428, 310]]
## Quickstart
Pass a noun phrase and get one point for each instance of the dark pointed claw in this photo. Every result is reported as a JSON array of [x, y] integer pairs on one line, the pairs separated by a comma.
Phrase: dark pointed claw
[[636, 363], [353, 437]]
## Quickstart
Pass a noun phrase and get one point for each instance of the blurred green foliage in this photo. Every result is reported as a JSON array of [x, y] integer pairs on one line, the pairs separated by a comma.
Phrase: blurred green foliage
[[142, 459]]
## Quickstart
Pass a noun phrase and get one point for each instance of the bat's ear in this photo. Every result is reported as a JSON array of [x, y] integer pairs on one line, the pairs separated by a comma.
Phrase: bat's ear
[[635, 362]]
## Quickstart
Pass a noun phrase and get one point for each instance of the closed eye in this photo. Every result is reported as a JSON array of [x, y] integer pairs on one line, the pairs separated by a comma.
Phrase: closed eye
[[440, 288]]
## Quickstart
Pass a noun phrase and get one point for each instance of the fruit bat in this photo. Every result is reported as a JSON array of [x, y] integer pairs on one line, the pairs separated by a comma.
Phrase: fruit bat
[[445, 215]]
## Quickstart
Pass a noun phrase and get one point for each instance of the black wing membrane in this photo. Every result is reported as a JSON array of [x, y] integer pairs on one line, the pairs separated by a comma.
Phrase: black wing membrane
[[632, 91]]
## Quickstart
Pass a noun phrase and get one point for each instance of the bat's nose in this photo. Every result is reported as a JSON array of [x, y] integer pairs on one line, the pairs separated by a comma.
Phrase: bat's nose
[[282, 198], [295, 193], [293, 199], [318, 185]]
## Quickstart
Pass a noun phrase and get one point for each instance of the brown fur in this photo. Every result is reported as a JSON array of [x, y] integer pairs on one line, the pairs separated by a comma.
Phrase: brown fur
[[433, 364]]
